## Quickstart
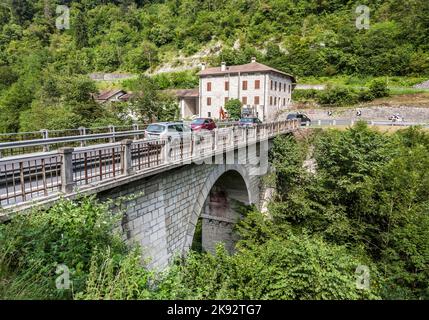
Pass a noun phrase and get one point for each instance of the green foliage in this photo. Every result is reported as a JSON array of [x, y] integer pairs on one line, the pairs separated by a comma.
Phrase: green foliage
[[378, 89], [33, 245], [316, 40], [177, 80], [337, 96], [81, 30], [292, 267], [117, 277], [152, 104], [233, 107], [369, 193], [64, 102]]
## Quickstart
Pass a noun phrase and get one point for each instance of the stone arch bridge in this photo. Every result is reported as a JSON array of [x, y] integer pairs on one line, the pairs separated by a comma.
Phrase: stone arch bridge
[[168, 185]]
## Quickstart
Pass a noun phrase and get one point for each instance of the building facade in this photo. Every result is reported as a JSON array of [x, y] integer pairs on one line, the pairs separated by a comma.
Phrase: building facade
[[262, 90]]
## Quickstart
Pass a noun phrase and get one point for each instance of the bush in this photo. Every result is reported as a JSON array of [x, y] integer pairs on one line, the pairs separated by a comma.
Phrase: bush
[[233, 107], [303, 95], [379, 89], [365, 96], [337, 96], [33, 245]]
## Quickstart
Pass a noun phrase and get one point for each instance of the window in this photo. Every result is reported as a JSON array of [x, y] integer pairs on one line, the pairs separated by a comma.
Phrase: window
[[209, 86], [244, 85], [209, 101], [275, 86], [226, 85], [284, 87], [271, 84], [280, 87], [275, 101], [226, 100], [284, 101], [271, 101], [256, 101], [209, 114], [257, 84], [244, 100], [290, 87]]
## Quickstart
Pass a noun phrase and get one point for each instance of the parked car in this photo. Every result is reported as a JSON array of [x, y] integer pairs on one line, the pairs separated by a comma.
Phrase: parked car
[[305, 120], [249, 122], [167, 130], [203, 124]]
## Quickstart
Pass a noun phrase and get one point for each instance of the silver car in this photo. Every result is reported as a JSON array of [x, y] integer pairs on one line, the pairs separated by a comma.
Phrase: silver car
[[167, 130]]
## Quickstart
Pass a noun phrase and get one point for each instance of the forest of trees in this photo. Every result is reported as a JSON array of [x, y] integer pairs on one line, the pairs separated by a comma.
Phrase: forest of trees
[[367, 204], [43, 69]]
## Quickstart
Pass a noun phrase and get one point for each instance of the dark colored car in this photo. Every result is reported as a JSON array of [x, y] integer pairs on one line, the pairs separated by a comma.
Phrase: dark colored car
[[249, 122], [305, 120], [203, 124]]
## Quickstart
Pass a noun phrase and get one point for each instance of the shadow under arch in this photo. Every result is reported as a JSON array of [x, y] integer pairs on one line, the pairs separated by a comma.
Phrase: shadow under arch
[[224, 190]]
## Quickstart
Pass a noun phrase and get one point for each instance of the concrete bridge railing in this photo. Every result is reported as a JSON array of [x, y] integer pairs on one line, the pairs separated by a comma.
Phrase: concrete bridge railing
[[37, 177]]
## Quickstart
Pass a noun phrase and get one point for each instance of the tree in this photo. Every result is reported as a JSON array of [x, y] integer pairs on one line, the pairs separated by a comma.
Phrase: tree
[[151, 104], [81, 30], [233, 107]]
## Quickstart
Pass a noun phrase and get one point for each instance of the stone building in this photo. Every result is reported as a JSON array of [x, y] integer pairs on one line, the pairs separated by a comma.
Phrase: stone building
[[263, 91]]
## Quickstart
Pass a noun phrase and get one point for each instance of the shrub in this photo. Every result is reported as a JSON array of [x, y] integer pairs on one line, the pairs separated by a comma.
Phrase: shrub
[[379, 89], [33, 245], [303, 95], [337, 96], [365, 96], [233, 107]]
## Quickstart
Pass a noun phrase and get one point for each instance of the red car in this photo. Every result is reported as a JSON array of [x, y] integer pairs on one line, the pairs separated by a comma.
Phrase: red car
[[203, 124]]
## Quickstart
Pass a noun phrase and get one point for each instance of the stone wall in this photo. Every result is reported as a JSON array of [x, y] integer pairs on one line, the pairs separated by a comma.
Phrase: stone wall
[[165, 209]]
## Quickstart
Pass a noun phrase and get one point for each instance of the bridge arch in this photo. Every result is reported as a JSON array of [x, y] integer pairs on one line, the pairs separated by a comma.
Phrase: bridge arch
[[216, 205]]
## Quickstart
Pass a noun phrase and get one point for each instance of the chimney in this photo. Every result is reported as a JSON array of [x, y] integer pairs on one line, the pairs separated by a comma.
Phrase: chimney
[[223, 66], [253, 59], [203, 66]]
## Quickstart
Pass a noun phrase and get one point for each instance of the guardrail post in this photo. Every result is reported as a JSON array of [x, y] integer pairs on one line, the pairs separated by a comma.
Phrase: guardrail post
[[112, 131], [126, 157], [67, 182], [82, 132], [136, 128], [45, 135], [165, 151]]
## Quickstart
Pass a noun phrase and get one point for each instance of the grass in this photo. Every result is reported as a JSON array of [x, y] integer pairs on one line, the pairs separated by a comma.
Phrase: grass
[[382, 129], [359, 82], [420, 99]]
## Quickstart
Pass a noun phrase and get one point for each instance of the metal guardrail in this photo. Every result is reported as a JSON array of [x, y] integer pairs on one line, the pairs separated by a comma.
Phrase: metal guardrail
[[340, 122], [30, 177], [45, 140]]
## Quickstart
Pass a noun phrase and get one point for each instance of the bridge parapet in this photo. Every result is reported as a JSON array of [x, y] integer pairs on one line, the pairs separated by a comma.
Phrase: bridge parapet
[[49, 175]]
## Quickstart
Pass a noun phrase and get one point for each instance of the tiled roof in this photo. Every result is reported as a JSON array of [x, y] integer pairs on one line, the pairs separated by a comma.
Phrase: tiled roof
[[105, 95], [127, 96], [249, 67]]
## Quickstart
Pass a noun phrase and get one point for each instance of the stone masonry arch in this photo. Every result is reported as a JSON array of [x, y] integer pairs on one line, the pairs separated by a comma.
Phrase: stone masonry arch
[[204, 194]]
